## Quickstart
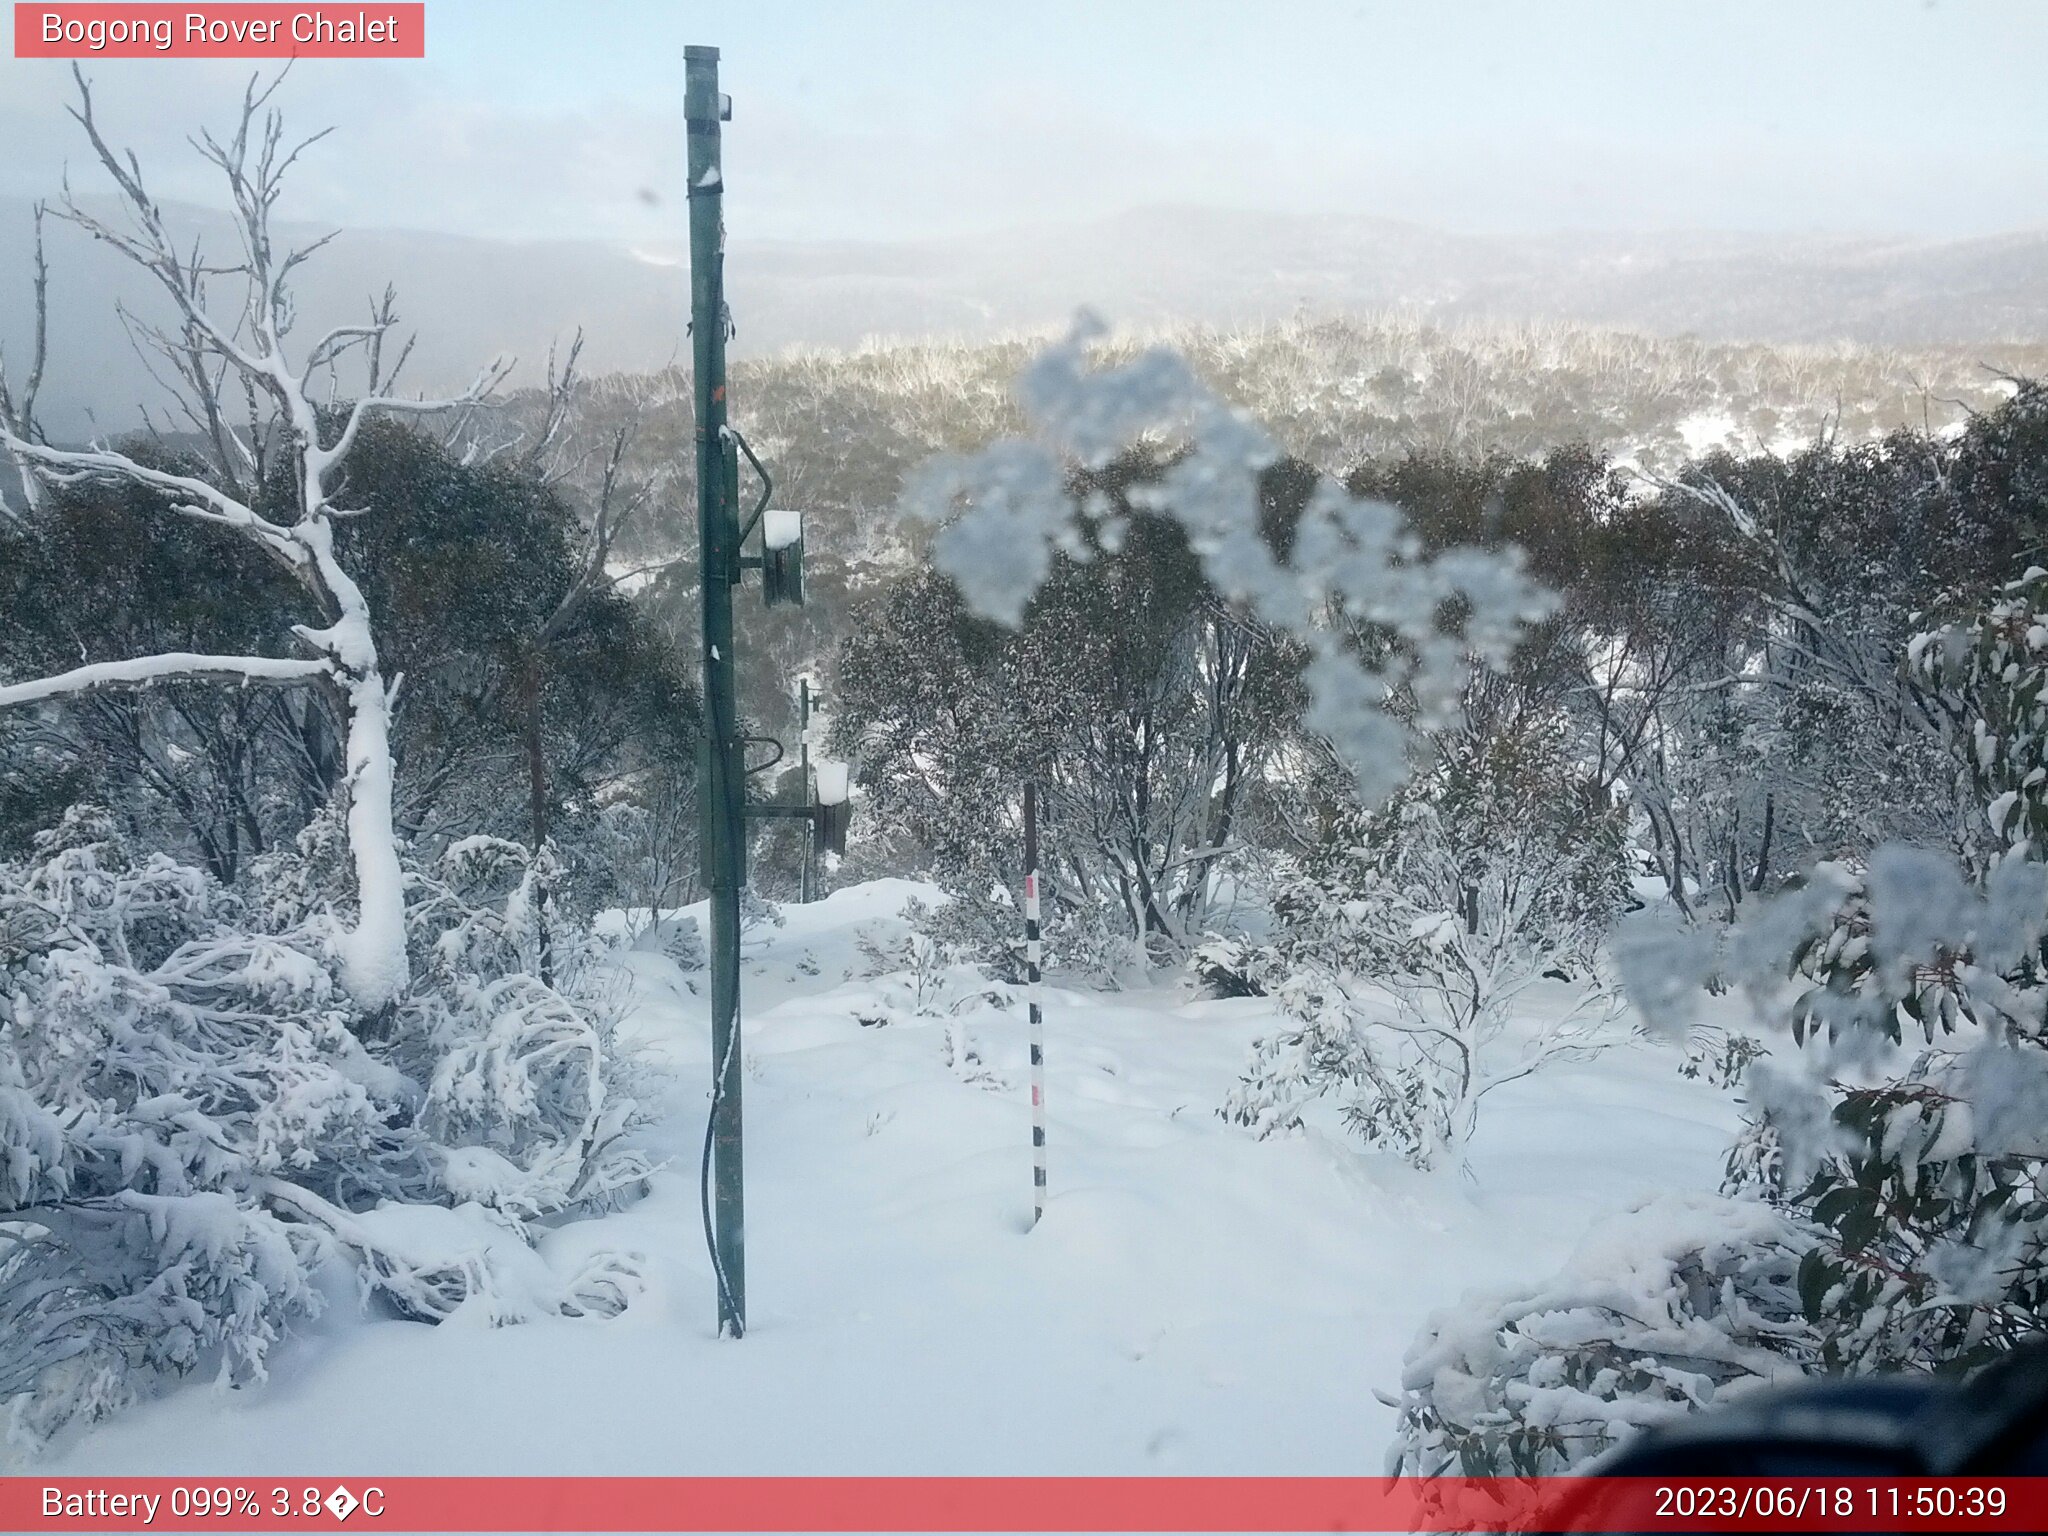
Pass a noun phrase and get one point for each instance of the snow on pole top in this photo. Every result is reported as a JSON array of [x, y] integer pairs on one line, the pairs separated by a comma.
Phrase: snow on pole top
[[781, 527], [833, 781]]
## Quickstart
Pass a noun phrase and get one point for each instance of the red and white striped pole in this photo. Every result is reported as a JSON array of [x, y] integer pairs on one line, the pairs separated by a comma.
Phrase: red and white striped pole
[[1032, 957]]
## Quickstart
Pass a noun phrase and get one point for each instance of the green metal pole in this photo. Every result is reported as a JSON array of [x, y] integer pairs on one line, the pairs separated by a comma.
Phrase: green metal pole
[[722, 783], [807, 882]]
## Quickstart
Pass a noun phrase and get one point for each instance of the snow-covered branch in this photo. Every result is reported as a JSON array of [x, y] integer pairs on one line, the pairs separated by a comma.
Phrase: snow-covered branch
[[172, 666], [189, 496], [480, 389]]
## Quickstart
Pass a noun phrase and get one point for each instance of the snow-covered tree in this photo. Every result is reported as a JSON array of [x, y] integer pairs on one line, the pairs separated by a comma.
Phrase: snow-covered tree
[[157, 1061], [1006, 516], [252, 402], [1142, 705], [1002, 513]]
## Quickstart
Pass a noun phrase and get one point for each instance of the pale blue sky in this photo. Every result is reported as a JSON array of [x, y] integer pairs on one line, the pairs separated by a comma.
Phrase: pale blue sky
[[887, 118]]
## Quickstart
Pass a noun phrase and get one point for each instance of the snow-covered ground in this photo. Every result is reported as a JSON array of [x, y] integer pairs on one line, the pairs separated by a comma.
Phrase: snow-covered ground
[[1194, 1301]]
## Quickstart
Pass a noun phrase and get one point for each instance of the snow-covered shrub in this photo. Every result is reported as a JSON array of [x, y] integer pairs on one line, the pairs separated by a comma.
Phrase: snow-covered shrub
[[972, 926], [758, 912], [1415, 954], [682, 940], [1719, 1056], [189, 1124], [982, 927], [1687, 1301], [524, 1095], [159, 1064], [1897, 1143], [914, 959], [1227, 966], [1994, 668], [919, 978], [1910, 1129]]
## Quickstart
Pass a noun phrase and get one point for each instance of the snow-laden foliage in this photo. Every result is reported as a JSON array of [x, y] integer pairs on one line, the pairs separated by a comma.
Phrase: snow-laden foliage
[[982, 926], [1719, 1056], [1434, 949], [1902, 1119], [189, 1126], [236, 364], [1996, 666], [1684, 1302], [1896, 1135], [1910, 1127], [522, 1088], [158, 1062], [1002, 512], [915, 979]]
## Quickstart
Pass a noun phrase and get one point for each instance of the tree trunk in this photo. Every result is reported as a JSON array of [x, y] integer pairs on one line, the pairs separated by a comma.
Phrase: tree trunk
[[537, 810], [374, 964]]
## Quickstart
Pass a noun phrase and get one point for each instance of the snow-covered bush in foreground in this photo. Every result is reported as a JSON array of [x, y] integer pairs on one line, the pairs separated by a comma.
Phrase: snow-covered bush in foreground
[[1687, 1301], [1894, 1171], [189, 1128], [522, 1081], [157, 1064]]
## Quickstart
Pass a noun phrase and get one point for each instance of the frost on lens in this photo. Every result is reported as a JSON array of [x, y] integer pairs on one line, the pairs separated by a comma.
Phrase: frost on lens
[[1354, 568]]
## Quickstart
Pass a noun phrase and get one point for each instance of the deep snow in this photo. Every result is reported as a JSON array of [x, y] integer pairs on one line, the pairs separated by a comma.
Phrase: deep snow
[[1194, 1301]]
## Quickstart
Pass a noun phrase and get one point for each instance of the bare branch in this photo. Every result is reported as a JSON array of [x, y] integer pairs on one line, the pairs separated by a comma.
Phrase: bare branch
[[480, 389], [18, 417], [561, 391]]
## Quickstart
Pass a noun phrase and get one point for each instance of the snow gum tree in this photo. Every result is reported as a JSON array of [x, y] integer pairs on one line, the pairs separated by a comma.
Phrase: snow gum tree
[[194, 1118], [1006, 518], [246, 393], [1145, 708]]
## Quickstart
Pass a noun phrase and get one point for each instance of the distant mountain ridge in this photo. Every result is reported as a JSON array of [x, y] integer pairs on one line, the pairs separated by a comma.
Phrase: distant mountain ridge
[[471, 299]]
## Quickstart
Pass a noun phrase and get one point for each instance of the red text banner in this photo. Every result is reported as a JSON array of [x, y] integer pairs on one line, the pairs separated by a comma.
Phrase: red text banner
[[835, 1504], [241, 31]]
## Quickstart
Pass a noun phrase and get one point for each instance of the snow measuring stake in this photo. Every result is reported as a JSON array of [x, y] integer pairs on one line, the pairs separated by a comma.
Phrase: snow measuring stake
[[1033, 957], [722, 805]]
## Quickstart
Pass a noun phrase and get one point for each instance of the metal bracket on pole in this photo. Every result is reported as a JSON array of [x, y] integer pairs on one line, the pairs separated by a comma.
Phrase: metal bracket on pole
[[767, 486]]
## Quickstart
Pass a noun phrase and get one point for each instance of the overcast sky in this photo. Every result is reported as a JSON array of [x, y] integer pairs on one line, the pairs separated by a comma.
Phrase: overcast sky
[[882, 119]]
